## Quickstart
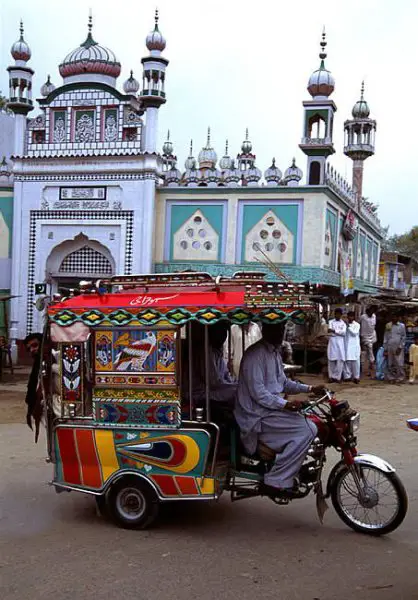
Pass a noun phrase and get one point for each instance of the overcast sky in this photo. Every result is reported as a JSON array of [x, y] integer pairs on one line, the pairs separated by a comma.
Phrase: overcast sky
[[241, 63]]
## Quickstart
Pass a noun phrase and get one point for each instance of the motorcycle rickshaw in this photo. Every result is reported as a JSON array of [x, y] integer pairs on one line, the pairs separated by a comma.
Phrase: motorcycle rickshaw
[[122, 427]]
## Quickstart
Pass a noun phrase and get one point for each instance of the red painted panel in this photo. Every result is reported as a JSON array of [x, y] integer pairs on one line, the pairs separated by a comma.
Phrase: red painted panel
[[67, 447], [187, 486], [166, 484], [90, 468]]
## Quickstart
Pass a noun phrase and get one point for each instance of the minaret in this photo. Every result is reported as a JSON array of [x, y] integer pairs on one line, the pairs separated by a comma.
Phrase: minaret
[[153, 89], [169, 160], [359, 140], [20, 90], [317, 141]]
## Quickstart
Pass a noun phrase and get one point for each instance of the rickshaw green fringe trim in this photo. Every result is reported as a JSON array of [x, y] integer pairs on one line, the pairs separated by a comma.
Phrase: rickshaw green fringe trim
[[176, 316]]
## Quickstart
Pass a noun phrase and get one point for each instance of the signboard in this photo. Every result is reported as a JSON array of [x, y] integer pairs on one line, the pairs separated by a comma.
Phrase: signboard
[[350, 226], [83, 193]]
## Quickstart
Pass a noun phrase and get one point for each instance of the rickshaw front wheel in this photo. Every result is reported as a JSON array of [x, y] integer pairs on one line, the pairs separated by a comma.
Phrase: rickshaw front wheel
[[132, 503]]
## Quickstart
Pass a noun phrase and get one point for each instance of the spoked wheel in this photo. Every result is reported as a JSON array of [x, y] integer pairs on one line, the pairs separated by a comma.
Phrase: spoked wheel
[[382, 506], [133, 504]]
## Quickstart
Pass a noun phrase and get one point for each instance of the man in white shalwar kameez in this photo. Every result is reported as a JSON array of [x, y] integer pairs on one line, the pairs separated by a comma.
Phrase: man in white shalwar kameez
[[352, 349], [336, 346]]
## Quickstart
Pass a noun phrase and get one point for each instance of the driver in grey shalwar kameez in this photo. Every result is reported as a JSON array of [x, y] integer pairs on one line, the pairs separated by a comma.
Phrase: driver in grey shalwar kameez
[[264, 415]]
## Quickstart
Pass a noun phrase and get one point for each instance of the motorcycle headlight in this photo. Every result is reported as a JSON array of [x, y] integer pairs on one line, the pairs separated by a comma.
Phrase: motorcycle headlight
[[355, 423]]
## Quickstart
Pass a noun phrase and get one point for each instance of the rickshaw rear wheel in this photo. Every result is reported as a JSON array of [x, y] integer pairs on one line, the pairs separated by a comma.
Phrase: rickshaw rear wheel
[[132, 503]]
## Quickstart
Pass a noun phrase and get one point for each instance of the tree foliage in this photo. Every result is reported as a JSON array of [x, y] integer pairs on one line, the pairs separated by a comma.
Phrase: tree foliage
[[406, 243], [3, 101]]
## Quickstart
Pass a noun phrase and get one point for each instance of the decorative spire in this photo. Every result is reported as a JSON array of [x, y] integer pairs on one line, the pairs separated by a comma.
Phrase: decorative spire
[[362, 90], [246, 145], [168, 145], [155, 40], [226, 147], [191, 148], [323, 44], [21, 30], [156, 19], [190, 163], [89, 39], [208, 140]]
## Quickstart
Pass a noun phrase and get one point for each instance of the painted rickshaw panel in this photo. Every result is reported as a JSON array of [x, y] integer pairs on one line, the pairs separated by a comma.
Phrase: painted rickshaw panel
[[175, 462]]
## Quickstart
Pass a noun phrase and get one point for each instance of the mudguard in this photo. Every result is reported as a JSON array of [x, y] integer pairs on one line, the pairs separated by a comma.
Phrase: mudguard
[[361, 459]]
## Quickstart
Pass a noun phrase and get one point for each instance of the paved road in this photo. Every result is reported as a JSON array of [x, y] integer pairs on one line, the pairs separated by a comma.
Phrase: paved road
[[54, 546]]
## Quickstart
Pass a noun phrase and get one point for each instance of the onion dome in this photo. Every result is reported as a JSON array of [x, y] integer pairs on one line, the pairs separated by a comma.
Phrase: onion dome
[[191, 177], [207, 156], [246, 145], [232, 176], [361, 109], [47, 87], [226, 161], [131, 85], [172, 177], [168, 146], [20, 49], [4, 168], [273, 174], [190, 162], [213, 177], [253, 175], [155, 41], [293, 174], [90, 57], [321, 83]]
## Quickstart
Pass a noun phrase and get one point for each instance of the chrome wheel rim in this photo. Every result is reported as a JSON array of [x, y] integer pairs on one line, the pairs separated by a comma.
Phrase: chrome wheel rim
[[130, 503], [379, 505]]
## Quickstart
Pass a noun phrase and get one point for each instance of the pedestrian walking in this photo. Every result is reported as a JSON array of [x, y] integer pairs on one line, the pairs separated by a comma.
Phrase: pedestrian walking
[[352, 349], [367, 339], [413, 360], [394, 345], [336, 346]]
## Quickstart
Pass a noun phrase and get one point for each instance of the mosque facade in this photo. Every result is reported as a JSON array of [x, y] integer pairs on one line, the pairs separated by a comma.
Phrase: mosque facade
[[85, 193]]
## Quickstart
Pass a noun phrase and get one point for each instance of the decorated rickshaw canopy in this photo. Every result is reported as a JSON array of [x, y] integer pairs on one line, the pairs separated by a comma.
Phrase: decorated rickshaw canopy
[[178, 298]]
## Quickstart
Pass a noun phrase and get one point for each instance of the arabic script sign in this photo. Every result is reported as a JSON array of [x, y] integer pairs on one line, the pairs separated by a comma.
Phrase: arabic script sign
[[83, 193], [149, 301]]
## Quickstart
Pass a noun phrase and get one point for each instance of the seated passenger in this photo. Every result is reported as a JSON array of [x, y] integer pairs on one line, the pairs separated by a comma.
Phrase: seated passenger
[[263, 415], [222, 387]]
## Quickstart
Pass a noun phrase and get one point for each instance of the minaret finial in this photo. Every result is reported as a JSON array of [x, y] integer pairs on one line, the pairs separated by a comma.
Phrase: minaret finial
[[246, 133], [226, 147], [168, 135], [208, 141], [21, 29], [191, 147], [323, 44], [273, 162], [362, 90], [90, 23], [157, 16]]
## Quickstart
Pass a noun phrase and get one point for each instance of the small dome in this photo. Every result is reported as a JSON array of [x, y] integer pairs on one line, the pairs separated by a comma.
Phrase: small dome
[[4, 168], [131, 85], [47, 87], [246, 145], [207, 156], [273, 173], [20, 49], [190, 162], [173, 176], [253, 174], [90, 57], [293, 173], [232, 175], [226, 161], [155, 41], [321, 83], [168, 146], [361, 109]]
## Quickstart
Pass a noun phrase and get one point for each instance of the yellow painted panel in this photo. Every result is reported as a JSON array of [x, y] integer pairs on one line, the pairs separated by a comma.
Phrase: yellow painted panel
[[107, 454], [206, 485]]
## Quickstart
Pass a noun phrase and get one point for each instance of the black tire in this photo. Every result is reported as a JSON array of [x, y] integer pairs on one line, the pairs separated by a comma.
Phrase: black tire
[[132, 503], [379, 529]]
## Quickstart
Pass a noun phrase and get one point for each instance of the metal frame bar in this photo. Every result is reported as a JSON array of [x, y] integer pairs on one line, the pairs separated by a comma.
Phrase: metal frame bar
[[207, 399], [190, 361]]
